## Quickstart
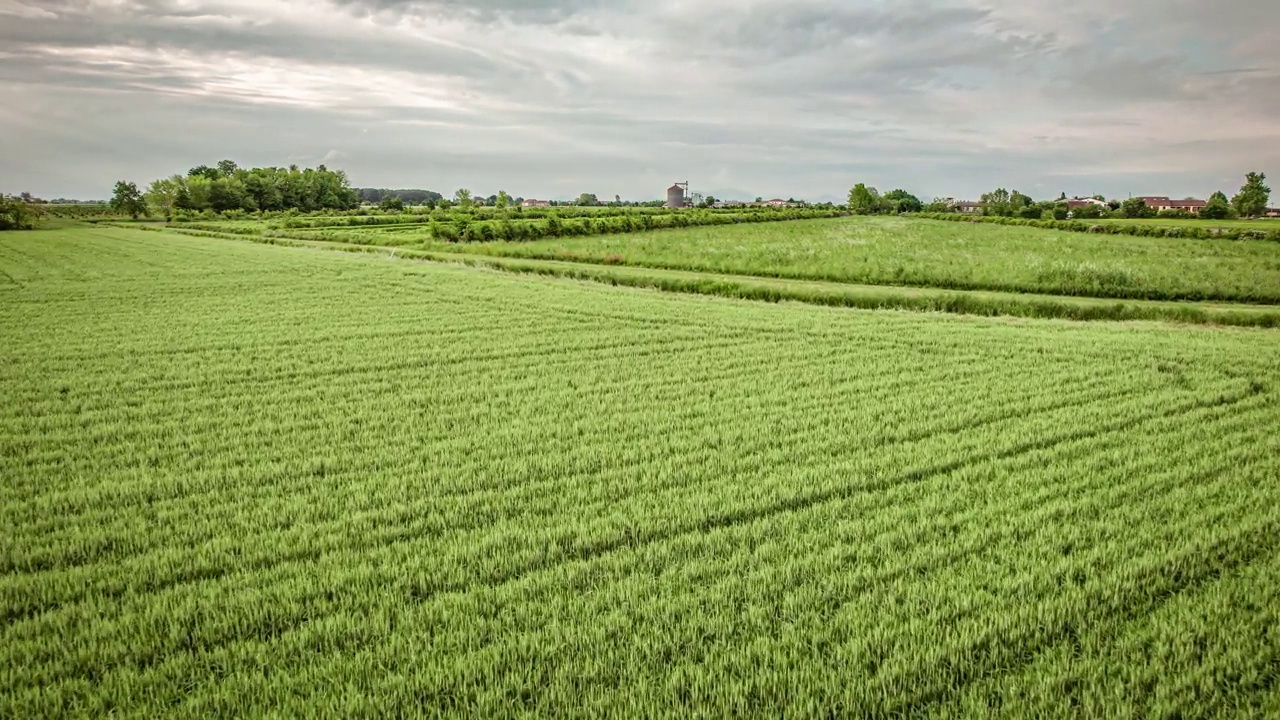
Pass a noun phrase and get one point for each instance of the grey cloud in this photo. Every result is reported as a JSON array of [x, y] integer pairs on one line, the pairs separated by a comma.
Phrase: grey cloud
[[554, 97], [260, 39], [488, 11], [810, 27]]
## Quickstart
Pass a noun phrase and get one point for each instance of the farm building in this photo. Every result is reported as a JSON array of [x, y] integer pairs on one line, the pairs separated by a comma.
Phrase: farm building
[[966, 206], [676, 195], [536, 203], [1161, 203], [1077, 203]]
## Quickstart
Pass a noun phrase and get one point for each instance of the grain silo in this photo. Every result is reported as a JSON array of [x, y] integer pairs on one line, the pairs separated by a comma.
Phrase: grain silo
[[676, 195]]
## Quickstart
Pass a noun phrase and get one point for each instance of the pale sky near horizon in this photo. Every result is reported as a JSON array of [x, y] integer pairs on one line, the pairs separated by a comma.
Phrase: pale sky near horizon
[[551, 98]]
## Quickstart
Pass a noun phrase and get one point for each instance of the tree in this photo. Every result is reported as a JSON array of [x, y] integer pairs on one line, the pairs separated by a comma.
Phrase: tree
[[227, 168], [462, 198], [864, 200], [1018, 201], [227, 193], [588, 199], [392, 202], [1035, 211], [1089, 212], [163, 194], [204, 171], [1217, 208], [17, 214], [901, 201], [264, 189], [126, 199], [1253, 197], [997, 202], [503, 199], [182, 199], [1136, 208]]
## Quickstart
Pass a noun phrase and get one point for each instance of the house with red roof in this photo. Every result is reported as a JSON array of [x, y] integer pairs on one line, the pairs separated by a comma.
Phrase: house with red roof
[[1161, 203]]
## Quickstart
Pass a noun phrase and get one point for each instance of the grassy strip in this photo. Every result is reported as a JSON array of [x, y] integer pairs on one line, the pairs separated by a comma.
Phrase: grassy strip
[[869, 297], [1109, 226]]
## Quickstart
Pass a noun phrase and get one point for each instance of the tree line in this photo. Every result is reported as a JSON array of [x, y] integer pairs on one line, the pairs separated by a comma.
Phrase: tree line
[[227, 187], [1250, 201], [464, 198]]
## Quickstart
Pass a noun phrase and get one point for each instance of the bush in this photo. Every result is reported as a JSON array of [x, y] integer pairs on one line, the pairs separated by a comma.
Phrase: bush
[[17, 214]]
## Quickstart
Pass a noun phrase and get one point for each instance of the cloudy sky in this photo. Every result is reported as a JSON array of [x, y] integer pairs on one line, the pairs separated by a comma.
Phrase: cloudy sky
[[550, 98]]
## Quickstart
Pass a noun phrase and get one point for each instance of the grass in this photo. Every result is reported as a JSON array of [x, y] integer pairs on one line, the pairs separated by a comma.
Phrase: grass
[[925, 253], [241, 479], [1268, 224]]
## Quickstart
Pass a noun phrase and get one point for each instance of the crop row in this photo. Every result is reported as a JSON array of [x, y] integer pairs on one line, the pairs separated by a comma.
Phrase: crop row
[[286, 608]]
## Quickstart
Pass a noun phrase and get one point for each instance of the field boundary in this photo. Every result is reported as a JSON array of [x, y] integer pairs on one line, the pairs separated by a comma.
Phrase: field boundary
[[821, 292]]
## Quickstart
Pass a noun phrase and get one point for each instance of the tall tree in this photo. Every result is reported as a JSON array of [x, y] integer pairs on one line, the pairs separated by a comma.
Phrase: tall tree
[[901, 201], [503, 199], [227, 168], [228, 193], [462, 198], [1217, 208], [588, 199], [1136, 208], [997, 202], [163, 194], [1254, 195], [182, 199], [864, 200], [204, 171], [126, 199]]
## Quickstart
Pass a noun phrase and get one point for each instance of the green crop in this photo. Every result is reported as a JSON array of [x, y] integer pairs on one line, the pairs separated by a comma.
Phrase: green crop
[[239, 479]]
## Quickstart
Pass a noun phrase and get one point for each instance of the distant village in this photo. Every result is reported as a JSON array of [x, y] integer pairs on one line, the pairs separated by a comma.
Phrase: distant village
[[679, 196], [1159, 203]]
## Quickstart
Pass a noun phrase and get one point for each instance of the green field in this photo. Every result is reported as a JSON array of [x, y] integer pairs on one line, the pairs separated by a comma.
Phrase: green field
[[245, 480], [925, 253]]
